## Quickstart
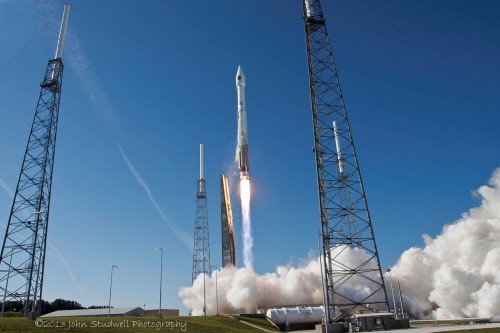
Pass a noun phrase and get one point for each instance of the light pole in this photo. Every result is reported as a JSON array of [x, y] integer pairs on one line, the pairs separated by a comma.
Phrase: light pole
[[401, 302], [161, 276], [325, 305], [111, 286], [216, 292], [388, 270], [204, 278]]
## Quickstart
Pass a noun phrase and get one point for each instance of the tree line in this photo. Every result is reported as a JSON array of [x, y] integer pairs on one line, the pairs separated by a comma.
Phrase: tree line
[[48, 307]]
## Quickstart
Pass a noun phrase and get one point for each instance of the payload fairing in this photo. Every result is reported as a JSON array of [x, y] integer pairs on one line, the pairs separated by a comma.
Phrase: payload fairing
[[242, 126]]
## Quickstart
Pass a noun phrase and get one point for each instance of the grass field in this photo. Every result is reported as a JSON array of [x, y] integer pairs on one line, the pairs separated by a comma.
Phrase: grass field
[[132, 324], [261, 322], [213, 324]]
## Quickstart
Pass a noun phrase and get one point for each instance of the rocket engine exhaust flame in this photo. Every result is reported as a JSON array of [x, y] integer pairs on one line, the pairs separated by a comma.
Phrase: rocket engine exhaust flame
[[247, 226]]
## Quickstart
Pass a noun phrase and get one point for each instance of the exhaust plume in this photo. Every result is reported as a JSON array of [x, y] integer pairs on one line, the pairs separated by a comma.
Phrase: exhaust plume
[[242, 290], [455, 275], [247, 226]]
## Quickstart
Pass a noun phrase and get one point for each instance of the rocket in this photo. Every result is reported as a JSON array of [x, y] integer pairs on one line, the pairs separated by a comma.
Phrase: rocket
[[242, 151]]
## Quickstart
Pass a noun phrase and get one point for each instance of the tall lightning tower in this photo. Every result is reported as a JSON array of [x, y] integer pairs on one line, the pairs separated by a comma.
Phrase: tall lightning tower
[[201, 249], [346, 226], [22, 259]]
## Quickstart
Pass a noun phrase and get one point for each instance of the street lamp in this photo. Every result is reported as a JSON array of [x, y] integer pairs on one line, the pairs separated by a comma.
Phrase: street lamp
[[161, 276], [388, 270], [111, 286], [401, 302], [216, 292], [323, 282], [204, 290]]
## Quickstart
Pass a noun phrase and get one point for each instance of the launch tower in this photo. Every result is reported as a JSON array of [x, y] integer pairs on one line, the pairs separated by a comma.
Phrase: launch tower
[[201, 249], [345, 220], [22, 259]]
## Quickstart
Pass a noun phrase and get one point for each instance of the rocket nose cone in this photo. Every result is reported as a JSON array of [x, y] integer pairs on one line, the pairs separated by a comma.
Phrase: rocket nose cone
[[240, 77]]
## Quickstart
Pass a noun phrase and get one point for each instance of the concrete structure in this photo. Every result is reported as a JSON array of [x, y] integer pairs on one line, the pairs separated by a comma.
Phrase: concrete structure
[[371, 321], [114, 312], [425, 328], [329, 328]]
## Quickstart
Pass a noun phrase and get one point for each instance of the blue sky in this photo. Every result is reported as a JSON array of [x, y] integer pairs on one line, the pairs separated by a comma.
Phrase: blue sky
[[156, 78]]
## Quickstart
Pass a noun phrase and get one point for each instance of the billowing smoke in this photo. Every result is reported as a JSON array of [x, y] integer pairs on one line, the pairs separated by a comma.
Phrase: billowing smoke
[[457, 274], [243, 290]]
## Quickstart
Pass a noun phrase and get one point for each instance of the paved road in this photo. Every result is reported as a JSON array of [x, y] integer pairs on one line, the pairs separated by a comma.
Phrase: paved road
[[433, 328]]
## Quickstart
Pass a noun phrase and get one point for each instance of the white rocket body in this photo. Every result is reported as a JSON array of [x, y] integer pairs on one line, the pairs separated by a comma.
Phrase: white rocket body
[[242, 151]]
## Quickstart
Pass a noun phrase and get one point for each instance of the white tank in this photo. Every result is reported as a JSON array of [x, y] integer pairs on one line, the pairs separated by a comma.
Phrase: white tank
[[298, 315]]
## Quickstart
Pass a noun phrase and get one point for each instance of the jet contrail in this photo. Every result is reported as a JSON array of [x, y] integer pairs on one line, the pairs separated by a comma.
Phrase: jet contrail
[[181, 234], [80, 63], [54, 252], [6, 188]]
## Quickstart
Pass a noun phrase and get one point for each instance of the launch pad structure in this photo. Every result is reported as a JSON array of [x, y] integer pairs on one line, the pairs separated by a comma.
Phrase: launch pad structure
[[22, 258], [201, 248], [346, 227]]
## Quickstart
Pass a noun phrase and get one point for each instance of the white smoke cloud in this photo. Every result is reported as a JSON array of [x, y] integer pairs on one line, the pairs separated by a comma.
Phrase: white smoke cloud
[[243, 290], [457, 274]]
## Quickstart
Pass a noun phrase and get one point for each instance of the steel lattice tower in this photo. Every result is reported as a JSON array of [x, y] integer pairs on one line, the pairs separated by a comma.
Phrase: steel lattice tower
[[345, 220], [22, 259], [201, 249]]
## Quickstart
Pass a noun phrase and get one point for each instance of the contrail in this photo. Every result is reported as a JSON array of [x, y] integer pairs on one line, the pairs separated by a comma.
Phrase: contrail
[[6, 188], [77, 59], [181, 234], [54, 252]]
